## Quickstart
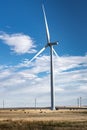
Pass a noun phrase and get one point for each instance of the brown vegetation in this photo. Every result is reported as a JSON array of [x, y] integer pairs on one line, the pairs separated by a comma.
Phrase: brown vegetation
[[24, 119]]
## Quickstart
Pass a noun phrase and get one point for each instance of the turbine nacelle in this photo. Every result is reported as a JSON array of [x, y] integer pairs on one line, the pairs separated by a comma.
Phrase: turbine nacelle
[[51, 44]]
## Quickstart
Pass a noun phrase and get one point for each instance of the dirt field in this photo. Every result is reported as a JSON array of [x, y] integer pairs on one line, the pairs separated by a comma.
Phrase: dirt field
[[24, 119]]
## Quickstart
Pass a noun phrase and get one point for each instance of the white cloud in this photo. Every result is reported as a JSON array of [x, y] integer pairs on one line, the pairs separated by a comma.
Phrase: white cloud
[[83, 88], [70, 76], [70, 62], [19, 43]]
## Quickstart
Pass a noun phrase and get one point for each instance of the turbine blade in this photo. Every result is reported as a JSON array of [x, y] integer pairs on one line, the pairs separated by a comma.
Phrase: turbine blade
[[47, 29], [55, 53], [38, 54]]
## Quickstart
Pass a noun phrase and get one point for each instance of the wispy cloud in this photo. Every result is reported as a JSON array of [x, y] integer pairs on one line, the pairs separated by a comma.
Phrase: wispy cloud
[[18, 42], [70, 76]]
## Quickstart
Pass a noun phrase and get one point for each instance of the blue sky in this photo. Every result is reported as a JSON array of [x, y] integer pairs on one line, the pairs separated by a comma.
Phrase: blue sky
[[22, 35]]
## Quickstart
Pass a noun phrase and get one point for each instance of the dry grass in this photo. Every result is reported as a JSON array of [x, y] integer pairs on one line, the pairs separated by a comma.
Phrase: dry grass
[[25, 119]]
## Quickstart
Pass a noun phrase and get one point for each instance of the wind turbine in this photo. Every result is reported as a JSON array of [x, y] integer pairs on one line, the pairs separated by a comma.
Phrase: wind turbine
[[49, 44]]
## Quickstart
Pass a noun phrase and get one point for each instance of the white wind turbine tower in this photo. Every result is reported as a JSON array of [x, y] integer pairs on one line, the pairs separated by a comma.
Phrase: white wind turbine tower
[[49, 44]]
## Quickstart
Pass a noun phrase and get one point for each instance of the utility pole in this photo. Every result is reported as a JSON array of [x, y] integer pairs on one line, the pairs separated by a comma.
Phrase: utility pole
[[78, 104], [80, 101], [35, 103], [3, 104]]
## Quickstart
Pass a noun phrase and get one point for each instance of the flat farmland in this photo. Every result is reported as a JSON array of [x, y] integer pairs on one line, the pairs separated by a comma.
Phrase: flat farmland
[[43, 119]]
